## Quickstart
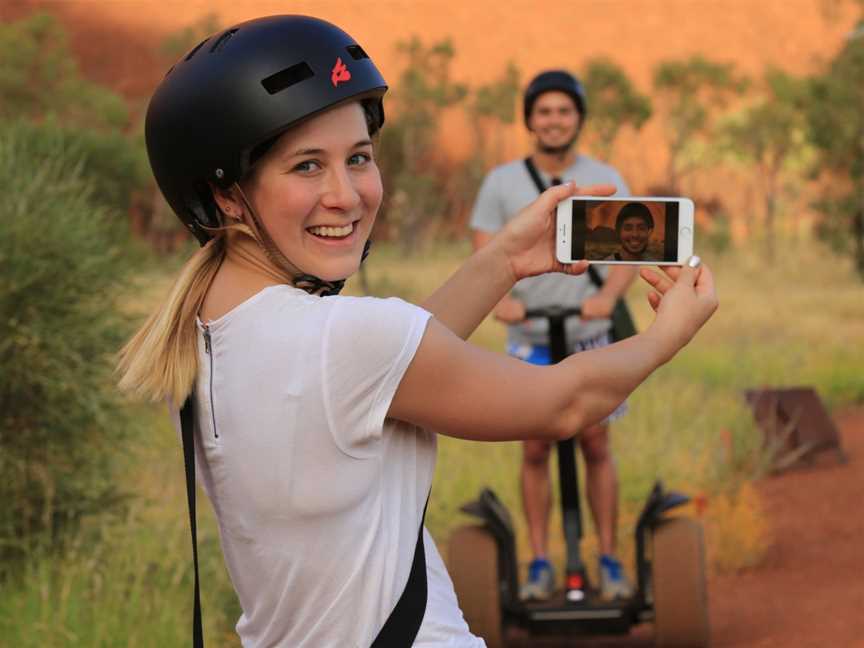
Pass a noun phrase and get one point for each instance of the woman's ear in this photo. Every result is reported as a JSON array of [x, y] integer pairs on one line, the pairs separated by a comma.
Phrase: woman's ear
[[226, 202]]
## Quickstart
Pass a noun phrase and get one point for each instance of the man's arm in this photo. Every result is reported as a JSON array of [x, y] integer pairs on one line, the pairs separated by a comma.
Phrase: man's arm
[[601, 304]]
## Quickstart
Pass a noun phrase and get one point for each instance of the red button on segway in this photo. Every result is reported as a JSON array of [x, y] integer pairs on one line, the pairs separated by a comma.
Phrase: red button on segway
[[574, 581]]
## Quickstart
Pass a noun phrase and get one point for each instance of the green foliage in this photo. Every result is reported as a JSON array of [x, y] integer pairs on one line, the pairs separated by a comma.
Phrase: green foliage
[[409, 158], [114, 165], [127, 582], [178, 43], [61, 263], [613, 102], [836, 126], [770, 134], [497, 100], [39, 78], [690, 92]]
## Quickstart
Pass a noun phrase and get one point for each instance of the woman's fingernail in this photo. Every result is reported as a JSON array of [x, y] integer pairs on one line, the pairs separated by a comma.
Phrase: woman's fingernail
[[694, 261]]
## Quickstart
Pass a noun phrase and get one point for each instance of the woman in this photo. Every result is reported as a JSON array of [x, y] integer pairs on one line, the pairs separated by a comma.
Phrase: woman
[[313, 435]]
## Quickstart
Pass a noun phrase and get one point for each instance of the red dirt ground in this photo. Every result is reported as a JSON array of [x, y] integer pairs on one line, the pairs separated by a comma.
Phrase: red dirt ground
[[809, 592]]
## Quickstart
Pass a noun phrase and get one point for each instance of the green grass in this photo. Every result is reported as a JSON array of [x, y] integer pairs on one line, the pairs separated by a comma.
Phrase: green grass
[[796, 321]]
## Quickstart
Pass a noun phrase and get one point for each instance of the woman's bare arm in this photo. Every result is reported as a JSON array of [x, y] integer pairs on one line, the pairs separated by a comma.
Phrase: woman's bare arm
[[459, 390], [526, 247]]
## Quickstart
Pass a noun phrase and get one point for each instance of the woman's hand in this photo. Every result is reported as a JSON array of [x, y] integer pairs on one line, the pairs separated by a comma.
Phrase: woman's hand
[[528, 241], [684, 299]]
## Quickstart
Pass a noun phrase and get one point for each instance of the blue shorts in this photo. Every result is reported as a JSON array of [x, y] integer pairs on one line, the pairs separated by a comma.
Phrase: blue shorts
[[538, 354]]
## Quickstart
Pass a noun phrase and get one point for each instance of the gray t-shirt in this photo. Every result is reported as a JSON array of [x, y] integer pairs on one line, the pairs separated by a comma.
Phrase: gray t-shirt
[[504, 192]]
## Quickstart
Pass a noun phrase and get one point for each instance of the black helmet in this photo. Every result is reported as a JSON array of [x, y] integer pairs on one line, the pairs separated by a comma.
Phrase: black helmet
[[634, 210], [560, 80], [238, 90]]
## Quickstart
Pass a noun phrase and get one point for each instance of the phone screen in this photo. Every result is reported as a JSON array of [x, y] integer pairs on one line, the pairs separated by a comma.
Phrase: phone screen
[[624, 230]]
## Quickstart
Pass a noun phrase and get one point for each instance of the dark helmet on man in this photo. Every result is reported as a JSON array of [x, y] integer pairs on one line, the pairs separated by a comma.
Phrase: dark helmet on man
[[236, 92], [634, 210], [559, 80]]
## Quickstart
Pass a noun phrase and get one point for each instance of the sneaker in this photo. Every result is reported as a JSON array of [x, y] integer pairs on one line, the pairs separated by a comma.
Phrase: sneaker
[[541, 581], [613, 582]]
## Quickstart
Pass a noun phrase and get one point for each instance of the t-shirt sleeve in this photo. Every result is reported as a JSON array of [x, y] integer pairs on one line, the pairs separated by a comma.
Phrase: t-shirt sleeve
[[368, 345], [618, 181], [488, 213]]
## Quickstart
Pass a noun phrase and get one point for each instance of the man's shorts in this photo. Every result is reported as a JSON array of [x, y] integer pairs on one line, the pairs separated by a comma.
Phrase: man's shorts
[[539, 355]]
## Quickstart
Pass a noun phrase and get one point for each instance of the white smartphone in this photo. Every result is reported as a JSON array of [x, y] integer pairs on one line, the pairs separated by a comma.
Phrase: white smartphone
[[638, 230]]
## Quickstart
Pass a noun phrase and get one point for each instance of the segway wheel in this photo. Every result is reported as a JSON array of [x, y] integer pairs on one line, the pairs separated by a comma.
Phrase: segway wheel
[[473, 563], [678, 585]]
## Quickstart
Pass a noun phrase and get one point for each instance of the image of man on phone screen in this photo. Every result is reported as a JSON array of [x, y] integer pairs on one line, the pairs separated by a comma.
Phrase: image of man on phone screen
[[555, 109], [633, 226]]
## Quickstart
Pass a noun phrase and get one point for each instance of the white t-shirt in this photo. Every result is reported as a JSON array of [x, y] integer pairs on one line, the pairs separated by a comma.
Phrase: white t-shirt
[[318, 496]]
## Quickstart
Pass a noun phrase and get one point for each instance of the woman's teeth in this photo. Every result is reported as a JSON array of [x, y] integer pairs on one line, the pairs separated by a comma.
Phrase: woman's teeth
[[334, 232]]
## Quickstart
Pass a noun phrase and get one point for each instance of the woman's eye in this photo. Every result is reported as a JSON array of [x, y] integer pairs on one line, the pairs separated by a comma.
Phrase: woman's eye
[[359, 158], [307, 166]]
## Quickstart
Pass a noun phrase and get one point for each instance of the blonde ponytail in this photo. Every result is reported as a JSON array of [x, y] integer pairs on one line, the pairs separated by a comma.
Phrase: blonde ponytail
[[160, 362]]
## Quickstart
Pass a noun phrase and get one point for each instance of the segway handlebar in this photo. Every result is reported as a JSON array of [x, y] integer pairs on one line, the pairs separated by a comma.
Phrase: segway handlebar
[[553, 312]]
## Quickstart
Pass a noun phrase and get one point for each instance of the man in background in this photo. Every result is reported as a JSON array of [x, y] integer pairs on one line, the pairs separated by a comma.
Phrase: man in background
[[555, 108]]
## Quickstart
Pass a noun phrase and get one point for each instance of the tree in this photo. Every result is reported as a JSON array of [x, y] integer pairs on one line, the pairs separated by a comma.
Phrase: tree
[[39, 79], [613, 103], [835, 118], [408, 149], [492, 107], [690, 94], [178, 43], [770, 133], [64, 257]]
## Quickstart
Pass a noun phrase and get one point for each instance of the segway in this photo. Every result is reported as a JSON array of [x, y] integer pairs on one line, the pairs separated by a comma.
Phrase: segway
[[670, 588]]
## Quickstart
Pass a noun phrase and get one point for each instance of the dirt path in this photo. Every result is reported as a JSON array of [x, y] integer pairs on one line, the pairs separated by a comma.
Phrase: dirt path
[[809, 592]]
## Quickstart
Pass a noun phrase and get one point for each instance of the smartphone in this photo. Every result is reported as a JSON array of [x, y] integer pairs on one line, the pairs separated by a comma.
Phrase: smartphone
[[638, 230]]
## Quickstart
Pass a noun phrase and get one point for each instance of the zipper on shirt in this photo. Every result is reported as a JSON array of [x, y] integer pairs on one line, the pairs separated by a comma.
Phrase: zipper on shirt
[[209, 350]]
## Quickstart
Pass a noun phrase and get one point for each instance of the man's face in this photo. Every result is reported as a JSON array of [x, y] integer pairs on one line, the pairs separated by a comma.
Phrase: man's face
[[554, 120], [634, 235]]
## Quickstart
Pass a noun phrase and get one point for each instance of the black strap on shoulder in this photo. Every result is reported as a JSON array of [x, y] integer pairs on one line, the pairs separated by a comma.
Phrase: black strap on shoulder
[[535, 175], [402, 625], [187, 424], [593, 275]]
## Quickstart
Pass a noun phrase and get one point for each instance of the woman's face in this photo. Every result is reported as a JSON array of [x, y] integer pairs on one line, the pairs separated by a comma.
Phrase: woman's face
[[317, 192]]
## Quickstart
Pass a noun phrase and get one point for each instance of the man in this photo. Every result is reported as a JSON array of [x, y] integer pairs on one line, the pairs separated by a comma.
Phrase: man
[[634, 226], [554, 111]]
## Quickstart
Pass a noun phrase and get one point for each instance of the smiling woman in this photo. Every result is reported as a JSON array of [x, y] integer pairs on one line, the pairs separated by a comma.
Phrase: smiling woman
[[317, 190], [311, 413]]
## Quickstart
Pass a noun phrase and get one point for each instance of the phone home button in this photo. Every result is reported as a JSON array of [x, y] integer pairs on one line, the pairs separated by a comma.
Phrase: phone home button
[[685, 232]]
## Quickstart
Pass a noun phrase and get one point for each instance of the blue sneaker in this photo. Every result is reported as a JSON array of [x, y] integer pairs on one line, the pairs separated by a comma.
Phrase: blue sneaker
[[541, 581], [613, 582]]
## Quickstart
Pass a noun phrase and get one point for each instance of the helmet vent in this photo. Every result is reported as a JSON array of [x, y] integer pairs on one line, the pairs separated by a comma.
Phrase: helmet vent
[[357, 52], [195, 49], [287, 77], [222, 40]]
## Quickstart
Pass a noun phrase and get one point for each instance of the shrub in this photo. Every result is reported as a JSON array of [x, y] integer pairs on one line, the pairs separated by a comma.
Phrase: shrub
[[114, 165], [40, 78], [61, 263]]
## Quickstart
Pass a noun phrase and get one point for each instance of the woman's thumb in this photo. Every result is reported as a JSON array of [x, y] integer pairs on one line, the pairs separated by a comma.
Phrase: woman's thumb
[[690, 271]]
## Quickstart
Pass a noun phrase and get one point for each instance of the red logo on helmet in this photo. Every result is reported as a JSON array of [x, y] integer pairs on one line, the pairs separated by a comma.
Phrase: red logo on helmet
[[339, 73]]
